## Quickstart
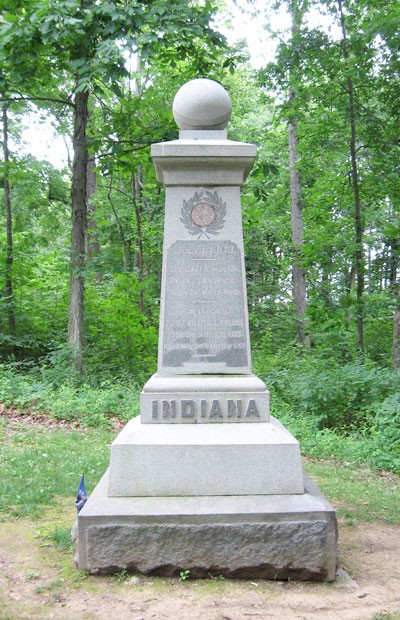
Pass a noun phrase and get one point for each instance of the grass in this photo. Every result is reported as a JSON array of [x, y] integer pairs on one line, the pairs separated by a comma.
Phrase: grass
[[39, 465], [359, 494], [61, 538]]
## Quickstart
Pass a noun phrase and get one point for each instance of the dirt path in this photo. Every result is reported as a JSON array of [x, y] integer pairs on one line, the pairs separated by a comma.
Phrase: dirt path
[[39, 582]]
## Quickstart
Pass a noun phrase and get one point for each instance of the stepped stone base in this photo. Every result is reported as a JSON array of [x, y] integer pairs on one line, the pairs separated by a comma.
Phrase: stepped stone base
[[259, 536], [160, 460]]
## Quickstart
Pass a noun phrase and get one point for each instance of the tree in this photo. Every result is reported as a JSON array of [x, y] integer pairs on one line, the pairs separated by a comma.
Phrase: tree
[[85, 41], [359, 263], [9, 289], [344, 105], [297, 10]]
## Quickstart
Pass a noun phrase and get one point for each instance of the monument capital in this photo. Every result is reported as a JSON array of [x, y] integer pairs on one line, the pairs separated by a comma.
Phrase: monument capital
[[202, 155], [202, 104]]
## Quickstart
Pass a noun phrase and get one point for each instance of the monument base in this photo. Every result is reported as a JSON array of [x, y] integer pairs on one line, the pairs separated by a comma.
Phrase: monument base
[[251, 536], [160, 460]]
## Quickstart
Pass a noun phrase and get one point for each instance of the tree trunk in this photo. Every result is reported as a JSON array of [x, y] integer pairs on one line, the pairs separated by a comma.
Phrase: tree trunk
[[9, 232], [396, 339], [297, 10], [136, 182], [395, 291], [359, 263], [77, 260], [93, 245], [299, 281], [126, 243], [394, 262]]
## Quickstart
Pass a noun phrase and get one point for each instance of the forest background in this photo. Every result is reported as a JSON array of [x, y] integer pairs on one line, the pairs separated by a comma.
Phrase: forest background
[[80, 248]]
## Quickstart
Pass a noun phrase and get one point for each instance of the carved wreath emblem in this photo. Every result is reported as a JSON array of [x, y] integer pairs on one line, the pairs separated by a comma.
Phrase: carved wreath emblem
[[204, 214]]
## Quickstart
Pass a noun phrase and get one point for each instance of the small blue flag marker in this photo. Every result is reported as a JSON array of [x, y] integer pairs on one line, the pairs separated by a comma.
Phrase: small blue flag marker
[[81, 497]]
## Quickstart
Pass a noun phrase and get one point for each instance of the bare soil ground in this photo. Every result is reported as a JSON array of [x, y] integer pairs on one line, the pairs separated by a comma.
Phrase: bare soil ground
[[39, 582]]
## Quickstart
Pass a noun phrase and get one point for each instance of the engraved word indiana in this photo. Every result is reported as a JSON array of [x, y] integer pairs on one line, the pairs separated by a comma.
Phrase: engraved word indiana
[[212, 410]]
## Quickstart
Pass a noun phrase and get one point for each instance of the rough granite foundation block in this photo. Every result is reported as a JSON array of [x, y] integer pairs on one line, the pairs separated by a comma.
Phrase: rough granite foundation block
[[273, 537], [204, 459]]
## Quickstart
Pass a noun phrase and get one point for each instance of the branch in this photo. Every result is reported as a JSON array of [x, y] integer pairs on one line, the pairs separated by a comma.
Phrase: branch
[[49, 99], [111, 188]]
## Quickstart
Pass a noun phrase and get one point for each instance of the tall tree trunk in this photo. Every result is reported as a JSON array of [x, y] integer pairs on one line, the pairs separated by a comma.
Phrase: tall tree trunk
[[395, 290], [359, 262], [394, 263], [126, 242], [299, 281], [9, 231], [136, 183], [79, 222], [93, 245], [396, 339]]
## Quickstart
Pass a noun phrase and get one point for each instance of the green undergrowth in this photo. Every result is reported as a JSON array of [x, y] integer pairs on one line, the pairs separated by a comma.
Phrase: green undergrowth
[[358, 447], [349, 411], [349, 430], [92, 402]]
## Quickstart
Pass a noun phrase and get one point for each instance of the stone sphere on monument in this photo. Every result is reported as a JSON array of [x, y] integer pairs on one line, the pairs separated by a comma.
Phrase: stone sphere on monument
[[202, 104]]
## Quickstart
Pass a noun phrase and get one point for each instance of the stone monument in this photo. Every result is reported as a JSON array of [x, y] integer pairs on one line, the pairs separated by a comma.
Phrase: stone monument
[[205, 480]]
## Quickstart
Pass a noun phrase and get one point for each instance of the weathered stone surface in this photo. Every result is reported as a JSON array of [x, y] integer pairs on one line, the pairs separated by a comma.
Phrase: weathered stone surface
[[205, 312], [270, 550], [204, 408], [202, 162], [191, 399], [202, 104], [204, 318], [284, 537], [205, 459]]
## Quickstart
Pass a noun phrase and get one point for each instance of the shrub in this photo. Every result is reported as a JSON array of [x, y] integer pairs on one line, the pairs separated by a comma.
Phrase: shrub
[[341, 397], [51, 389]]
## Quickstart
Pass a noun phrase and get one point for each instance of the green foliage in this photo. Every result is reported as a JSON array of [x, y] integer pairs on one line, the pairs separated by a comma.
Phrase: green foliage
[[386, 423], [118, 334], [93, 406], [61, 538], [120, 577], [335, 396], [370, 445], [361, 494], [350, 411], [40, 267], [54, 390]]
